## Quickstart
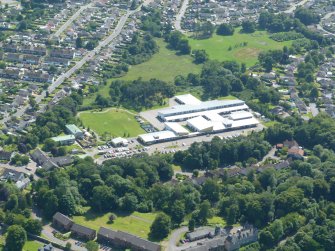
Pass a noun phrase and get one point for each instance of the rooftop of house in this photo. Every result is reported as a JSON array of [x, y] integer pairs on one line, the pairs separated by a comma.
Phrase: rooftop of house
[[61, 218]]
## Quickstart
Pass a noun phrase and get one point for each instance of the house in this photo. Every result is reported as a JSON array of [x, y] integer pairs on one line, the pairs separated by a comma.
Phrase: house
[[62, 53], [290, 143], [42, 159], [296, 152], [200, 234], [12, 175], [37, 76], [65, 139], [62, 160], [22, 184], [61, 222], [47, 247], [125, 240], [83, 232], [228, 242], [75, 131], [5, 156]]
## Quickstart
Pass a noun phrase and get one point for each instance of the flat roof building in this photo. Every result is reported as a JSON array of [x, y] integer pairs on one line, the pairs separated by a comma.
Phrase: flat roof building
[[200, 124], [65, 139], [240, 115], [74, 130], [187, 99], [119, 142], [176, 128], [156, 137], [192, 110]]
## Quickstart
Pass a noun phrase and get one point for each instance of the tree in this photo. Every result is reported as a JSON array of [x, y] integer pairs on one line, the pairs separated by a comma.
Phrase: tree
[[129, 202], [191, 225], [16, 238], [184, 47], [92, 246], [22, 25], [160, 228], [306, 16], [211, 190], [68, 246], [177, 211], [200, 56], [12, 202], [248, 26], [79, 43], [33, 226], [225, 30]]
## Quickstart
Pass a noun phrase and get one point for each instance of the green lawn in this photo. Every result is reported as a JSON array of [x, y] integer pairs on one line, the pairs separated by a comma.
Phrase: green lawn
[[164, 65], [217, 46], [136, 223], [216, 220], [31, 245], [114, 121]]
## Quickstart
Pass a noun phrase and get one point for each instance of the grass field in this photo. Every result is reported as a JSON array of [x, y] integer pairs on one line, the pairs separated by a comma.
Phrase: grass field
[[164, 65], [217, 46], [136, 223], [31, 245], [113, 121]]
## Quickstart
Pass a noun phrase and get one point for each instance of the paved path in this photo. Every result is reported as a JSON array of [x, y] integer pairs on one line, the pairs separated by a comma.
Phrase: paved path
[[70, 20], [174, 238], [180, 15], [319, 26], [294, 6]]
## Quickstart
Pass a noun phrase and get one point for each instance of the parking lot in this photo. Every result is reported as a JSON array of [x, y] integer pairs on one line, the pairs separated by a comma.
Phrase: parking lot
[[109, 152]]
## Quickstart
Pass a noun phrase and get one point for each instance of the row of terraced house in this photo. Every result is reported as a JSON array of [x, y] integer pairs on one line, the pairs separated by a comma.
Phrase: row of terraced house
[[104, 236]]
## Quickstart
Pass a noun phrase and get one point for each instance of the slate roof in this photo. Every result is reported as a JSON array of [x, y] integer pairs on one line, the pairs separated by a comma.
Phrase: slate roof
[[82, 230], [12, 175], [61, 218], [129, 239]]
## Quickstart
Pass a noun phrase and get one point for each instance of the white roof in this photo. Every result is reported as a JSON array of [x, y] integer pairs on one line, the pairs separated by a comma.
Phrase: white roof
[[177, 128], [119, 140], [244, 122], [213, 116], [200, 123], [203, 106], [188, 99], [203, 113], [154, 136], [240, 115]]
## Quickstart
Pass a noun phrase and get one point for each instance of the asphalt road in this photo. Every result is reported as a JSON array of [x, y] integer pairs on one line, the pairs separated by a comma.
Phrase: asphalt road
[[180, 15], [294, 6], [319, 26], [70, 20], [89, 56]]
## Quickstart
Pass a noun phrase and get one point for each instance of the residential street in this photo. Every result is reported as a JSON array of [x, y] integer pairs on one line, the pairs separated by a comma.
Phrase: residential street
[[89, 56], [294, 6], [70, 20], [180, 15]]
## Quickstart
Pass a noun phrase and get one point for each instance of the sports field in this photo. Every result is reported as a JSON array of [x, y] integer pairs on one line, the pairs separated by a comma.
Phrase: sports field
[[241, 47], [135, 223], [116, 122]]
